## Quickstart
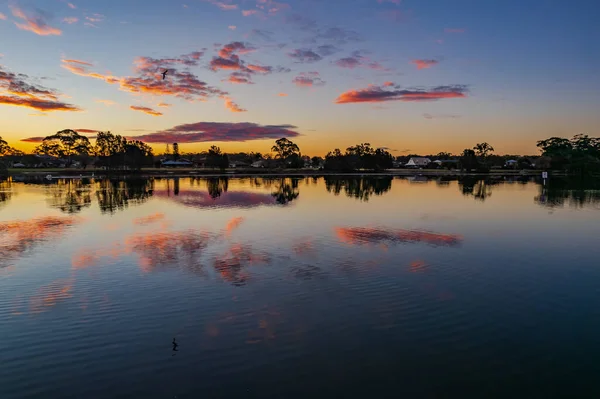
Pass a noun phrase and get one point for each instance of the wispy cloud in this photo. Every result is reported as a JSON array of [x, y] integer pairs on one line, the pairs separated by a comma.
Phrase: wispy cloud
[[181, 84], [358, 59], [455, 30], [17, 91], [308, 79], [232, 27], [424, 64], [72, 6], [239, 78], [282, 94], [34, 23], [377, 94], [70, 20], [305, 56], [232, 106], [145, 110], [2, 17], [86, 130], [225, 5], [38, 139], [219, 131], [164, 105]]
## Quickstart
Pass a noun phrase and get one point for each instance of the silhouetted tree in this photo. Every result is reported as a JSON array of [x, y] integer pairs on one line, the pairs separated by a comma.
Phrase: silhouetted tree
[[65, 144], [70, 196], [581, 154], [468, 160], [287, 191], [175, 151], [114, 195], [284, 149], [316, 161], [216, 159]]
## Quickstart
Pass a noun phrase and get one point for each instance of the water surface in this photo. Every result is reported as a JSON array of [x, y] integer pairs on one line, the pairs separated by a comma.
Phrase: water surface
[[296, 288]]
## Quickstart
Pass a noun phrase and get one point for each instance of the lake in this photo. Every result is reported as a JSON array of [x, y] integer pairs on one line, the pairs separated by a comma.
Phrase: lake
[[299, 288]]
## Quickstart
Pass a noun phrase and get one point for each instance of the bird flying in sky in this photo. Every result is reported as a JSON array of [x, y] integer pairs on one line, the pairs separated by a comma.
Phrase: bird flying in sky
[[164, 74]]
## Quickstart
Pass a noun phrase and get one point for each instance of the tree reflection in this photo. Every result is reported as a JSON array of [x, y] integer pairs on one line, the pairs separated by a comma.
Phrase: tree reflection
[[114, 195], [480, 189], [360, 188], [5, 191], [574, 193], [69, 195], [287, 191], [216, 186]]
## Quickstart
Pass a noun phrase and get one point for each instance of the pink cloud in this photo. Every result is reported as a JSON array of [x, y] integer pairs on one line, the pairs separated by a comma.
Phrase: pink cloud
[[145, 110], [33, 139], [70, 20], [247, 13], [282, 95], [86, 131], [17, 91], [2, 17], [308, 79], [72, 6], [424, 64], [218, 131], [232, 106], [378, 94], [240, 78], [181, 84], [232, 27], [35, 24], [366, 235]]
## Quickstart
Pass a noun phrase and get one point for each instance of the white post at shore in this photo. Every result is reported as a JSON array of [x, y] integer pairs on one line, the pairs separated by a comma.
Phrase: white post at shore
[[544, 177]]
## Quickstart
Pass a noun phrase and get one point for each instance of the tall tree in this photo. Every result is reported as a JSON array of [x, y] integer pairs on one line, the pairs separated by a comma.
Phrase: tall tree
[[216, 159], [284, 149], [4, 147], [482, 150], [468, 160], [175, 151], [67, 143]]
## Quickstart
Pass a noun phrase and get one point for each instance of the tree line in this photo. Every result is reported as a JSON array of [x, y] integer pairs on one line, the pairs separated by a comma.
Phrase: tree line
[[579, 155]]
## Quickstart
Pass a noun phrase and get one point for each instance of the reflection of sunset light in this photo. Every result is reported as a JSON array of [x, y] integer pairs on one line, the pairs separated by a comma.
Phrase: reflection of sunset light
[[50, 295], [18, 236], [233, 224], [227, 199], [231, 265], [418, 266], [363, 235], [303, 247], [164, 248], [149, 219]]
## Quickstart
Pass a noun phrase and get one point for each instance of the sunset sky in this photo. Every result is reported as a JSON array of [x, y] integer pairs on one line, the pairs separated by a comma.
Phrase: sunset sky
[[414, 76]]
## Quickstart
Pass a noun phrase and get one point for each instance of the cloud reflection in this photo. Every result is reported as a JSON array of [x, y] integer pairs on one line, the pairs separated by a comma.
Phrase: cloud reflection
[[367, 235], [19, 236]]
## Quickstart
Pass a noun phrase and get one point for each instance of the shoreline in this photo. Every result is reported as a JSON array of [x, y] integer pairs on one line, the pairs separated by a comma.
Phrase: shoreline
[[98, 173]]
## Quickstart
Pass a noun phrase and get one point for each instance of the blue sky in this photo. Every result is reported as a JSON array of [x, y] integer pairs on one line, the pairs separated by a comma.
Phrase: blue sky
[[506, 72]]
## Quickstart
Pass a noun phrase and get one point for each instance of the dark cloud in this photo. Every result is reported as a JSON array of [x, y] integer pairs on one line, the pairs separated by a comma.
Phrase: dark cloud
[[218, 131], [260, 34], [359, 59], [305, 56], [392, 92], [308, 79], [338, 35]]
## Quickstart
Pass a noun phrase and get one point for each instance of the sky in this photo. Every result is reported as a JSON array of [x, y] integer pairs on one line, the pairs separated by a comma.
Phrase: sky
[[412, 76]]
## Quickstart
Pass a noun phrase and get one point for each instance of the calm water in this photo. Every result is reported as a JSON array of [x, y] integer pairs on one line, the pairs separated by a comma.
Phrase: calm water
[[298, 288]]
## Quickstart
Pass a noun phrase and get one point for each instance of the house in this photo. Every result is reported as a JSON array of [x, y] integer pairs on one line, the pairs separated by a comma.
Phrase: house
[[511, 163], [258, 164], [239, 164], [418, 162]]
